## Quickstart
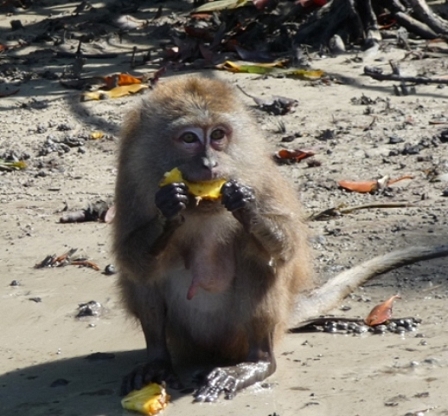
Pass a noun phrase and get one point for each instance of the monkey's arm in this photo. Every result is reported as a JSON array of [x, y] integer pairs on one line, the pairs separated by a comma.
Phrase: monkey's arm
[[240, 200], [148, 240], [331, 293]]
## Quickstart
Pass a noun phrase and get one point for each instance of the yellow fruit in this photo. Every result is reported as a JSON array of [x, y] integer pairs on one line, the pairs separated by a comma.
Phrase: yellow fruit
[[205, 190], [150, 400]]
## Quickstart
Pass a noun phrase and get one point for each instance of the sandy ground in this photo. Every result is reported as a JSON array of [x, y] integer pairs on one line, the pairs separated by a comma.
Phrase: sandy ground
[[43, 349]]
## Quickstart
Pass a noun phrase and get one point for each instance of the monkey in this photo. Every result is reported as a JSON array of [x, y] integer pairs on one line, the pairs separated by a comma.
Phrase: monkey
[[225, 278], [218, 277]]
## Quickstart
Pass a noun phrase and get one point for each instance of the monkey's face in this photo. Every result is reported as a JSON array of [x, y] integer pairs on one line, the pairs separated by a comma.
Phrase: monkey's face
[[202, 150], [198, 126]]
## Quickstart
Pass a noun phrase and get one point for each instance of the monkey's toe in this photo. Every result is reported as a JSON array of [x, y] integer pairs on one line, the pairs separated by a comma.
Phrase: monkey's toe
[[218, 382], [152, 372]]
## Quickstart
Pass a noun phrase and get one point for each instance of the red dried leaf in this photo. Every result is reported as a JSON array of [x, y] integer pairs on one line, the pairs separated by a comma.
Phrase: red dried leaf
[[116, 80], [293, 155], [362, 187], [382, 312]]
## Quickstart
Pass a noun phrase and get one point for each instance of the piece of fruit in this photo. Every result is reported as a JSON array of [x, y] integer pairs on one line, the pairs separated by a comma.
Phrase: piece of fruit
[[205, 190], [150, 400]]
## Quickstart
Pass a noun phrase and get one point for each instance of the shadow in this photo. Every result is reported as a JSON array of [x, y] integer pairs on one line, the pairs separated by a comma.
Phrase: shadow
[[41, 49], [81, 387]]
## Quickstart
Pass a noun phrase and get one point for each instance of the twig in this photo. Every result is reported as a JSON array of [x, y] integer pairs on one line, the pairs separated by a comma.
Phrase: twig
[[332, 212], [62, 54], [393, 77]]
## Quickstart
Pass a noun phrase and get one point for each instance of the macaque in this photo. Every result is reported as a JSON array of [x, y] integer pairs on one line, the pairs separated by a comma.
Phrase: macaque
[[214, 277]]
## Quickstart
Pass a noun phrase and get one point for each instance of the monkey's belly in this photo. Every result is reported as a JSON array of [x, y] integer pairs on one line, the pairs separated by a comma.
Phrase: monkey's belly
[[212, 269], [199, 322]]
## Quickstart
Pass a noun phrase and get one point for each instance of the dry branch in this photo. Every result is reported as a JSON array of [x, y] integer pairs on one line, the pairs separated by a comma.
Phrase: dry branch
[[400, 78]]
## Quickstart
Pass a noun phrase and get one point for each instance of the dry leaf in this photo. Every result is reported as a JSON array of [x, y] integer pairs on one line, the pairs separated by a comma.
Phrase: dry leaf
[[273, 68], [365, 187], [214, 6], [117, 92], [96, 135], [382, 312], [116, 80], [293, 155], [362, 187]]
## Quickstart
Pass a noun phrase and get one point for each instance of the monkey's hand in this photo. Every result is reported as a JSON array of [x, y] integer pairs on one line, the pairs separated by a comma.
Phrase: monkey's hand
[[156, 371], [172, 199], [229, 380], [238, 199]]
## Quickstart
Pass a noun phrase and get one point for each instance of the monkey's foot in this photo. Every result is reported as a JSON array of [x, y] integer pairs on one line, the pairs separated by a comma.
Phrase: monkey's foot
[[229, 380], [156, 371]]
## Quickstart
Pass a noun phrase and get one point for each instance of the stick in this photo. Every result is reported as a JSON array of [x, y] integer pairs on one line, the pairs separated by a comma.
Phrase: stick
[[341, 210], [400, 78]]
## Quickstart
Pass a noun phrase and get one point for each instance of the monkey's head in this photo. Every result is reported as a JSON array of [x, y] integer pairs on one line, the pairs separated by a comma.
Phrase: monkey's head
[[199, 126]]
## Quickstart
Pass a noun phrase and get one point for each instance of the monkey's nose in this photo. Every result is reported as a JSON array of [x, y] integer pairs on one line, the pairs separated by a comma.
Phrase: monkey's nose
[[209, 162]]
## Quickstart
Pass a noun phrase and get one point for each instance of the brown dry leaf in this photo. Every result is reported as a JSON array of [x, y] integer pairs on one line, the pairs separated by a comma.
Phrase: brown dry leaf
[[295, 155], [116, 80], [365, 187], [117, 92], [85, 263], [382, 312], [362, 187]]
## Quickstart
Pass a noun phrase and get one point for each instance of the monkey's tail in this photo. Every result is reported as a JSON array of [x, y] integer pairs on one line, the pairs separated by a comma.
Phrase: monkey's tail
[[329, 295]]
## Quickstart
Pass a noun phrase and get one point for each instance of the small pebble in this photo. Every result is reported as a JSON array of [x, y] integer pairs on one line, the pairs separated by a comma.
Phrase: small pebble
[[109, 270]]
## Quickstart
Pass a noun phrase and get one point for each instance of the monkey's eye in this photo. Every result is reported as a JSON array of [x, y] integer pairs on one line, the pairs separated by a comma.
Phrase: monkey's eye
[[217, 134], [189, 137]]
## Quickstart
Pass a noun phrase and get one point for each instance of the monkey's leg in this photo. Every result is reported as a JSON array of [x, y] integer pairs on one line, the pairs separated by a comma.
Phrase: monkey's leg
[[146, 303], [229, 380]]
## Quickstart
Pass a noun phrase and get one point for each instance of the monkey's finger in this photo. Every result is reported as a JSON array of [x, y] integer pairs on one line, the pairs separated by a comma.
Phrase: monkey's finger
[[217, 382], [132, 381], [172, 191]]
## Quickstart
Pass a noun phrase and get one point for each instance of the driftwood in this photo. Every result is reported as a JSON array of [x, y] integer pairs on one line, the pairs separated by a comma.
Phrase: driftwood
[[396, 76], [330, 294], [355, 20]]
